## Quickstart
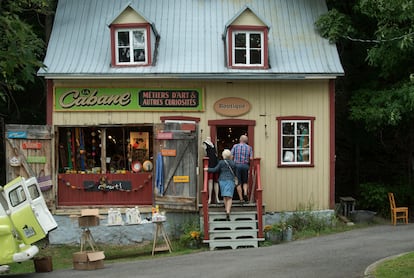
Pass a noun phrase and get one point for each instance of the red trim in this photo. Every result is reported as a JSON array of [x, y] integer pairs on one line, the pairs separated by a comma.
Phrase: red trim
[[332, 143], [204, 200], [179, 118], [258, 196], [279, 135], [49, 102], [114, 27], [226, 122], [246, 28]]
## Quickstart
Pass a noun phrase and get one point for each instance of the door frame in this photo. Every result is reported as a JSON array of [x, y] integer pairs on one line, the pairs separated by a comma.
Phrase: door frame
[[213, 124]]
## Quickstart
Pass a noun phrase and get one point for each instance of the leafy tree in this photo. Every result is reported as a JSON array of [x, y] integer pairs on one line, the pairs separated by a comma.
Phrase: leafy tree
[[375, 100], [21, 47]]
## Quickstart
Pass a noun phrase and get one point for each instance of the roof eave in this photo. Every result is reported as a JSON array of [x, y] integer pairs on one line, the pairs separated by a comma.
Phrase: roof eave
[[201, 76]]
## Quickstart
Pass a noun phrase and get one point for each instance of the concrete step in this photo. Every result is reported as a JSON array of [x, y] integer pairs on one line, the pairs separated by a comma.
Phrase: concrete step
[[232, 243], [232, 225], [234, 216], [238, 234]]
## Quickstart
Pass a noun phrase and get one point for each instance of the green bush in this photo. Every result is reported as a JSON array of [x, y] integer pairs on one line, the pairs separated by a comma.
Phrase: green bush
[[310, 221], [373, 196], [191, 231]]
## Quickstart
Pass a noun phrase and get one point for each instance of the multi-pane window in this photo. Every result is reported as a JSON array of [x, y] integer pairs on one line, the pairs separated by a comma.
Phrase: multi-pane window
[[248, 48], [131, 46], [295, 142]]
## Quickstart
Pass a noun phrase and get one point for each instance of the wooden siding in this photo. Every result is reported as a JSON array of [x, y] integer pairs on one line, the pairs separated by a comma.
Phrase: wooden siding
[[285, 189]]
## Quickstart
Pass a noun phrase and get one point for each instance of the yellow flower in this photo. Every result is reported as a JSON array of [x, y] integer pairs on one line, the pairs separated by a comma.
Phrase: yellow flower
[[267, 228], [195, 234]]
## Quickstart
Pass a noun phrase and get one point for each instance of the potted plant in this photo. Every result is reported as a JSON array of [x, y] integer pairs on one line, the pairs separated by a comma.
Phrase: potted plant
[[273, 233], [278, 232]]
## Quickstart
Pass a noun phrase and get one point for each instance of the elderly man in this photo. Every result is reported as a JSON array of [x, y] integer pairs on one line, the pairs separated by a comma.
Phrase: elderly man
[[242, 153]]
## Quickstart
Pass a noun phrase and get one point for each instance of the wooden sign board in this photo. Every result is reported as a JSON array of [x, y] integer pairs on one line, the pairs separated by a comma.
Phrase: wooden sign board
[[191, 127], [232, 106], [16, 134], [31, 145], [164, 136], [181, 179], [36, 159], [168, 152]]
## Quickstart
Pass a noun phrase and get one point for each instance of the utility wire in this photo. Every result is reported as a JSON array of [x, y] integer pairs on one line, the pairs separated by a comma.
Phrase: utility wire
[[379, 41]]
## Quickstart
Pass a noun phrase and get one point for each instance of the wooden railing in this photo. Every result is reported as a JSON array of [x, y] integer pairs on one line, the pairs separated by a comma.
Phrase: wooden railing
[[255, 185], [204, 198], [255, 188]]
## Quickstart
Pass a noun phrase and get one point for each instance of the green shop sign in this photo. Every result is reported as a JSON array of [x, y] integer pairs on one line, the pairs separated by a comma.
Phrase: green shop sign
[[128, 99]]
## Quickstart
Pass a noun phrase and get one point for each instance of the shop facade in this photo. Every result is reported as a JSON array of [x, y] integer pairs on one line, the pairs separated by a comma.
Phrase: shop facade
[[138, 87]]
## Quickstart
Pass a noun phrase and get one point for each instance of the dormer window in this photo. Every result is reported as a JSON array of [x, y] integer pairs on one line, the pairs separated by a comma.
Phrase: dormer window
[[246, 40], [130, 45], [248, 48]]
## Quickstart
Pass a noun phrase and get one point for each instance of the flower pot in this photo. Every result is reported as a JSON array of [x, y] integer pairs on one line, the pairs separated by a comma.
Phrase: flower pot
[[287, 234], [274, 237], [194, 244], [43, 264]]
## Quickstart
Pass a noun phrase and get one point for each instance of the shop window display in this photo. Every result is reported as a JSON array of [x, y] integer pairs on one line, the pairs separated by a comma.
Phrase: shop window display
[[295, 138], [104, 149]]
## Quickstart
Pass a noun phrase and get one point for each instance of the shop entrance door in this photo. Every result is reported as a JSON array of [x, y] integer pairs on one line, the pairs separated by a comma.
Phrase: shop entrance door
[[226, 133], [227, 136]]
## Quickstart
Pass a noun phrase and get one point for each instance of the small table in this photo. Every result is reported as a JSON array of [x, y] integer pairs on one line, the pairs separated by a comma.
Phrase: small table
[[86, 237], [347, 205], [160, 230]]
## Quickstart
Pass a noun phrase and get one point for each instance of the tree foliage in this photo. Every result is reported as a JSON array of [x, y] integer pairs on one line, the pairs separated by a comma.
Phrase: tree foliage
[[389, 43], [376, 97], [21, 48]]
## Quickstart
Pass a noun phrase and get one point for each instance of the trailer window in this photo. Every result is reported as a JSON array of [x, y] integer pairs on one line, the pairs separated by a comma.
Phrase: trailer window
[[17, 196], [34, 193]]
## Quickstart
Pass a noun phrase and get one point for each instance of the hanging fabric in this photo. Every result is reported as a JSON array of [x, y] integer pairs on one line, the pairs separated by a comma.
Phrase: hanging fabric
[[159, 174]]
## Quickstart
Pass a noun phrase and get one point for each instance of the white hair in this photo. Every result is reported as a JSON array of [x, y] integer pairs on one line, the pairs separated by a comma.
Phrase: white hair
[[226, 154]]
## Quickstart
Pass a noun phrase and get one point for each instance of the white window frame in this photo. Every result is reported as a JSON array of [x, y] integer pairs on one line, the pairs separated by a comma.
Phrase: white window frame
[[131, 47], [247, 48], [293, 153]]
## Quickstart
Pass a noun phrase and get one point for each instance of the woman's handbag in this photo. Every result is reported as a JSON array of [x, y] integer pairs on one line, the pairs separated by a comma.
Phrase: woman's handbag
[[236, 180]]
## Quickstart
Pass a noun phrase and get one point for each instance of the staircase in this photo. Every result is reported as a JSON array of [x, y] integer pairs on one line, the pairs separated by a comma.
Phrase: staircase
[[239, 232]]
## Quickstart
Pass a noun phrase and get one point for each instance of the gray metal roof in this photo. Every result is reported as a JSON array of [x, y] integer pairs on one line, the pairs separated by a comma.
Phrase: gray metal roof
[[191, 44]]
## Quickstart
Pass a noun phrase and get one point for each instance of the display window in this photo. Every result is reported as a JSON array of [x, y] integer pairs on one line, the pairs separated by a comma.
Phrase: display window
[[295, 144], [97, 150]]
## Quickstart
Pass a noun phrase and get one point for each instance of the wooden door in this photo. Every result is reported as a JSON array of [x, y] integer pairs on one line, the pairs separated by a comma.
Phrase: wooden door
[[176, 162], [29, 154]]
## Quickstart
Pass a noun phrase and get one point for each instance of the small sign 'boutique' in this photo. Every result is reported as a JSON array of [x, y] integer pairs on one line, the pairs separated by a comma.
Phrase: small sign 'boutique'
[[232, 106]]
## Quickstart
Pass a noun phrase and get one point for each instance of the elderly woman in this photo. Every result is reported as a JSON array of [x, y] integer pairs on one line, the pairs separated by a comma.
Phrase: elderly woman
[[227, 170]]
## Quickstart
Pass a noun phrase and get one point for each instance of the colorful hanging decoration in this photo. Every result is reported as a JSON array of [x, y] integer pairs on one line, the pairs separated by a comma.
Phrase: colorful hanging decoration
[[82, 150], [69, 144]]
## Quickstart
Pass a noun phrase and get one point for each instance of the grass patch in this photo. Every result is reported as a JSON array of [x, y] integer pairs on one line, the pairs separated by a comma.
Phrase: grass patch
[[400, 267], [62, 255]]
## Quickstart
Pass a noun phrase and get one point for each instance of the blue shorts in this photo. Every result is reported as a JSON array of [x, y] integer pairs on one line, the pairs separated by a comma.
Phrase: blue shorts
[[242, 172]]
